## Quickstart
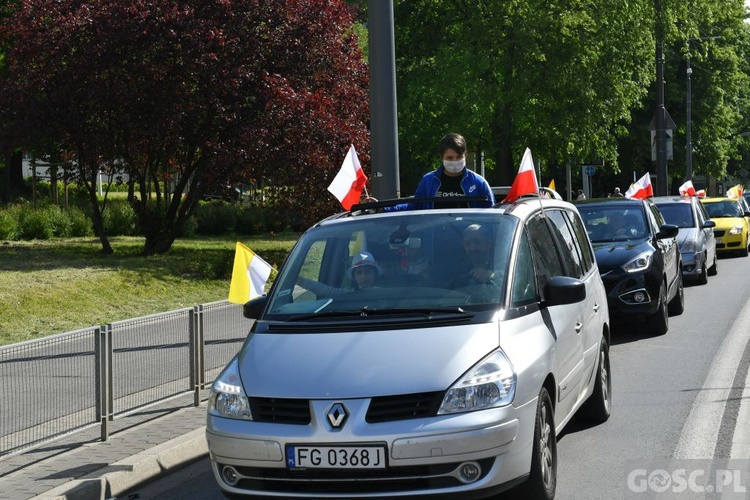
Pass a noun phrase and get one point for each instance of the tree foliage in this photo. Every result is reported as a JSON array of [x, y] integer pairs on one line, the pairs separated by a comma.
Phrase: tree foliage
[[189, 96], [573, 80]]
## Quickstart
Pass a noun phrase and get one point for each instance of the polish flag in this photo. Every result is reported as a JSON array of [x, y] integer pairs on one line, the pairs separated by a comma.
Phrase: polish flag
[[641, 189], [701, 193], [525, 181], [687, 189], [348, 184]]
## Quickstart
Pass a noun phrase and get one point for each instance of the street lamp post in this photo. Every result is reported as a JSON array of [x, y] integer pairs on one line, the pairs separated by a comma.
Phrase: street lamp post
[[688, 143]]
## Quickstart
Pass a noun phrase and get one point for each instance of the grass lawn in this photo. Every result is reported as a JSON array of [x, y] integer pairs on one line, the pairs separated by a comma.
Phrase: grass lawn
[[54, 286]]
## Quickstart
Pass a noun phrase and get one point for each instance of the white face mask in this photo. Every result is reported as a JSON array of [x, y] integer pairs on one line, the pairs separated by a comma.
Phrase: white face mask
[[454, 167]]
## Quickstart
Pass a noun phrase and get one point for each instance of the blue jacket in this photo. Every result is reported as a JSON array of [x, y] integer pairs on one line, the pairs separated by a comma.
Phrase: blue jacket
[[472, 184]]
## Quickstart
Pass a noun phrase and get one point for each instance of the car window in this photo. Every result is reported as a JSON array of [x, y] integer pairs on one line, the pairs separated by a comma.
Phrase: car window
[[613, 223], [587, 253], [570, 254], [409, 260], [524, 286], [657, 219], [679, 214], [546, 259]]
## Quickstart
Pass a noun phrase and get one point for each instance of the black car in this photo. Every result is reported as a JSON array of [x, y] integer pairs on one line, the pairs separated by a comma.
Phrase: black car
[[638, 258]]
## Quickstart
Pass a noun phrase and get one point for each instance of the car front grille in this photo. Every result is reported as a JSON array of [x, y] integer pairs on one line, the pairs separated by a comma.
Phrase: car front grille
[[404, 407], [719, 233], [322, 481], [280, 411], [381, 409]]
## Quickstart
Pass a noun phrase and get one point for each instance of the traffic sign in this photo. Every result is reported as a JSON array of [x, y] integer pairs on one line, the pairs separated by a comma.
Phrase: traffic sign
[[590, 170]]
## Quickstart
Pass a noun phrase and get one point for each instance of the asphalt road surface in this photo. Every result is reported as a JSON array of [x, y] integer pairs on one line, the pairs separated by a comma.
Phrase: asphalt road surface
[[677, 399]]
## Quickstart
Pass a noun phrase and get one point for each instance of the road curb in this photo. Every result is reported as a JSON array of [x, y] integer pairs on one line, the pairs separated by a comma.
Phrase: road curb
[[118, 478]]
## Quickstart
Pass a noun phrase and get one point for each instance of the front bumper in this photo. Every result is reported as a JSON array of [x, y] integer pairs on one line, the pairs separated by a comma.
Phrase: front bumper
[[424, 455], [624, 288], [726, 242], [692, 263]]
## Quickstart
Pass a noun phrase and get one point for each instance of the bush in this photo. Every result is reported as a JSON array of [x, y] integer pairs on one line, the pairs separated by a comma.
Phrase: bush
[[36, 225], [251, 220], [120, 219], [25, 222], [80, 223], [9, 227], [215, 218]]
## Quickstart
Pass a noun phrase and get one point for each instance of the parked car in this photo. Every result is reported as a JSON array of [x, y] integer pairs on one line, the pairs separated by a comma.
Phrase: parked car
[[732, 228], [639, 259], [696, 236], [486, 331]]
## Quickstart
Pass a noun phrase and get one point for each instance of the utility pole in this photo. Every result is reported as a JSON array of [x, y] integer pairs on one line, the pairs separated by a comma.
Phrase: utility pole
[[383, 118]]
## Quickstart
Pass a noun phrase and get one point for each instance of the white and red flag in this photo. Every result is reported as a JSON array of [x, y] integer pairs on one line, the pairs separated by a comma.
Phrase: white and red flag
[[687, 189], [348, 184], [641, 189], [525, 181]]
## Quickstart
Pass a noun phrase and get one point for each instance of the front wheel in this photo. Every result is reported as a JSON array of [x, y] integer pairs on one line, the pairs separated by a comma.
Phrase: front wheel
[[714, 269], [702, 278], [542, 480], [599, 406], [659, 321], [677, 304]]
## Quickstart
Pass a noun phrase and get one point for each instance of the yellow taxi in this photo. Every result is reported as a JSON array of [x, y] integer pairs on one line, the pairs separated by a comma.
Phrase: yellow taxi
[[732, 225]]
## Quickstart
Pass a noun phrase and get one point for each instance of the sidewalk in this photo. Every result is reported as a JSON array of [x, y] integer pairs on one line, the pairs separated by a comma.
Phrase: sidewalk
[[81, 467]]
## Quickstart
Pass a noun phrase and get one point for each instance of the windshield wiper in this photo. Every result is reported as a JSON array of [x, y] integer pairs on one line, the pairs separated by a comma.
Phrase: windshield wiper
[[366, 311]]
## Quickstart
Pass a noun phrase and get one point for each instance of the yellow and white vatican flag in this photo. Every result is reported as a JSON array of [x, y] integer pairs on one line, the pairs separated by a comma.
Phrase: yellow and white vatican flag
[[735, 192], [249, 275]]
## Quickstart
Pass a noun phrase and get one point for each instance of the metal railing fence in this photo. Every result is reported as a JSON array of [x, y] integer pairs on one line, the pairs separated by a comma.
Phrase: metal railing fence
[[63, 383]]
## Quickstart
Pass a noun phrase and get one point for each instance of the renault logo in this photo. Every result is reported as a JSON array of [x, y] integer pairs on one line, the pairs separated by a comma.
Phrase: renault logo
[[337, 415]]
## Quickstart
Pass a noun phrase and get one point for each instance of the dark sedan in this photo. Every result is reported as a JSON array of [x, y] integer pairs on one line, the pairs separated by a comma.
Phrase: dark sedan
[[638, 258]]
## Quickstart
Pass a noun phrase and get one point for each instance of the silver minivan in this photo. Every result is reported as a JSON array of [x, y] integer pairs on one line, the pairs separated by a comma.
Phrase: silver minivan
[[425, 352]]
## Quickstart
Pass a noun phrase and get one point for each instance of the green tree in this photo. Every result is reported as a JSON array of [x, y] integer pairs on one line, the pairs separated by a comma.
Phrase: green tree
[[559, 77], [186, 97]]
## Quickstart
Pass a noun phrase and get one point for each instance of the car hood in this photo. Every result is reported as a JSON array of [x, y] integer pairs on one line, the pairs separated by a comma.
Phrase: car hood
[[362, 364], [614, 254], [727, 223], [686, 233]]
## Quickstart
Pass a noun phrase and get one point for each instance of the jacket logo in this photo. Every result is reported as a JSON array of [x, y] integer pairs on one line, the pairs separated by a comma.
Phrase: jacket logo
[[337, 415], [472, 188]]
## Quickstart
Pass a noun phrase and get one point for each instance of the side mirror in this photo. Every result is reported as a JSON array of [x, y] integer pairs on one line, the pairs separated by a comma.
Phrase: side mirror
[[252, 309], [667, 231], [561, 290], [708, 223]]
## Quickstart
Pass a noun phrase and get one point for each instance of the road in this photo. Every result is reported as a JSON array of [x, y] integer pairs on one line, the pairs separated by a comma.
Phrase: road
[[675, 397]]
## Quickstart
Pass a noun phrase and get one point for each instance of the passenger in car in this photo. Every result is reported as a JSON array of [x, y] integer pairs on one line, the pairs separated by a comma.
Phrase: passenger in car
[[477, 268], [452, 179], [364, 273]]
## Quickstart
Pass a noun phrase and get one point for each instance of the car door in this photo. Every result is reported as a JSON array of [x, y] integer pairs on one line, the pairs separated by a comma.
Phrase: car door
[[566, 321], [707, 233], [668, 248]]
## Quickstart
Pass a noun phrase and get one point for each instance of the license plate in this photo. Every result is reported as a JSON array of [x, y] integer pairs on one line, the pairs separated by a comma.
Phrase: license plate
[[335, 457]]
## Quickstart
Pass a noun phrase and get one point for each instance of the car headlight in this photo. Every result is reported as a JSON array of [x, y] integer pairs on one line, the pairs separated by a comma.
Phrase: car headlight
[[688, 246], [490, 383], [640, 263], [735, 230], [227, 398]]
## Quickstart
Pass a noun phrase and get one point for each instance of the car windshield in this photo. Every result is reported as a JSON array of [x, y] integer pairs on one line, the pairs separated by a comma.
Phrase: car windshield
[[614, 223], [727, 208], [679, 214], [421, 261]]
